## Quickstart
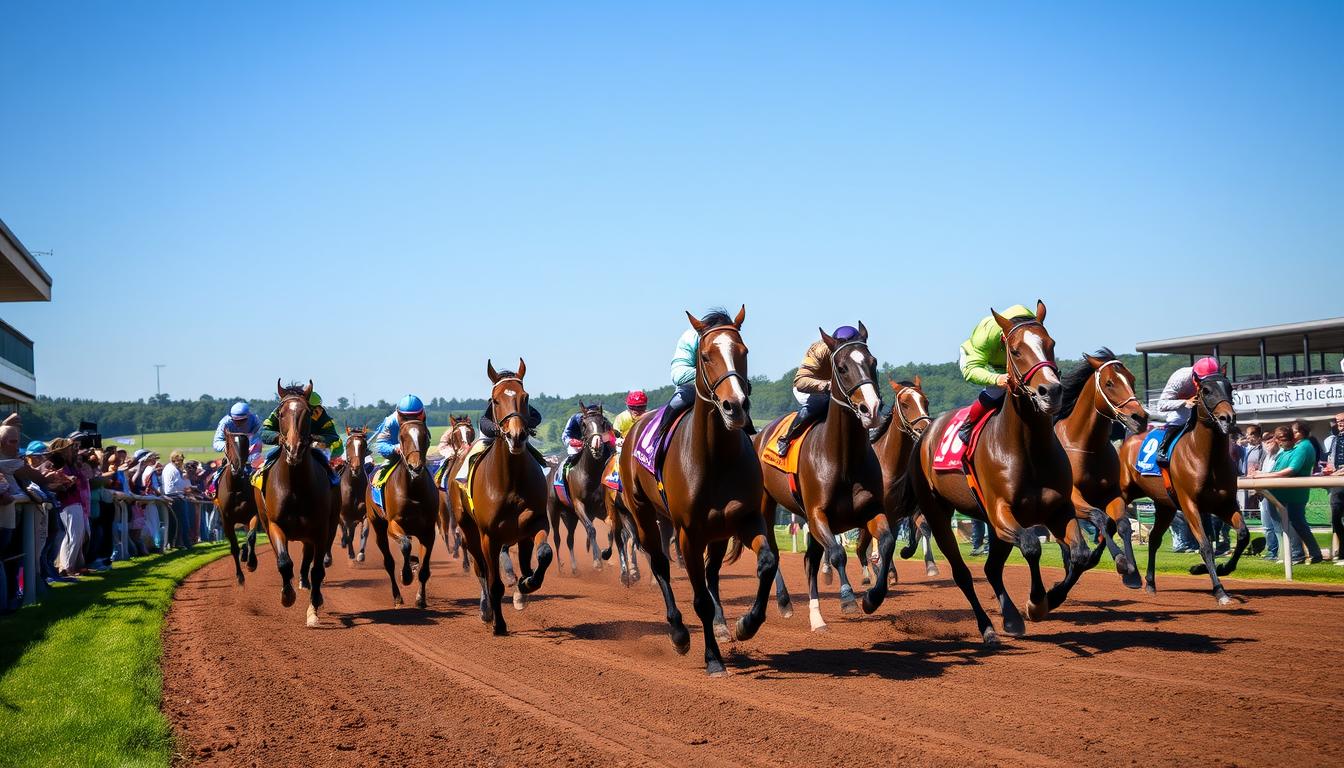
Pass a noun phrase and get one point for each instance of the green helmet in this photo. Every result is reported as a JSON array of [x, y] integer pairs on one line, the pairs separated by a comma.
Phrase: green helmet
[[314, 399]]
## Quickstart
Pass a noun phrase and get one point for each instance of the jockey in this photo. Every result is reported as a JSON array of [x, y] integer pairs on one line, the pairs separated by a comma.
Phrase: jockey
[[984, 361], [322, 431], [386, 440], [636, 405], [812, 386], [683, 371], [240, 419], [1179, 398], [573, 435]]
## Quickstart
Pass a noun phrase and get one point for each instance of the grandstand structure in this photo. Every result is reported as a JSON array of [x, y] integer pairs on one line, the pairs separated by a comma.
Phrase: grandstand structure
[[21, 279], [1280, 373]]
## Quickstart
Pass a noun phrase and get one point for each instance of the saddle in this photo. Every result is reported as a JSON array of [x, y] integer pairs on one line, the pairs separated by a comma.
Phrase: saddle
[[950, 454], [788, 462], [466, 476], [611, 474]]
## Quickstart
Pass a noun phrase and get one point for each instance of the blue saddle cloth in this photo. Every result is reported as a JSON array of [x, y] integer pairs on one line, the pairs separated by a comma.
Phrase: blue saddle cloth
[[1146, 462]]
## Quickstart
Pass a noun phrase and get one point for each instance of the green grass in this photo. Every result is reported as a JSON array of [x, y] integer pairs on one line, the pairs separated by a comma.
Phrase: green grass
[[196, 445], [1168, 562], [80, 682]]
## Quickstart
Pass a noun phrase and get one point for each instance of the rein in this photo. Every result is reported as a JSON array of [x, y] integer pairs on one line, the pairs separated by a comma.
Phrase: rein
[[1016, 380], [499, 423], [712, 398], [848, 401], [304, 418]]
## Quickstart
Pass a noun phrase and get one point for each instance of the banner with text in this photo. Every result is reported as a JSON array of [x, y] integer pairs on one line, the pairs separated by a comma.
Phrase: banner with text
[[1285, 398]]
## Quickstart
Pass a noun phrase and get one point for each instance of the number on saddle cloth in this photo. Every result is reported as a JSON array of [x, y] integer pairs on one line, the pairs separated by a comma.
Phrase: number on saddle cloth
[[1146, 461]]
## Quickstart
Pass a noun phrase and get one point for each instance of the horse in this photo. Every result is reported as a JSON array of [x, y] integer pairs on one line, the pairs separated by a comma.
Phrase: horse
[[459, 436], [354, 486], [1022, 473], [839, 481], [507, 504], [410, 509], [1098, 394], [1203, 481], [622, 539], [711, 490], [297, 503], [236, 502], [583, 485]]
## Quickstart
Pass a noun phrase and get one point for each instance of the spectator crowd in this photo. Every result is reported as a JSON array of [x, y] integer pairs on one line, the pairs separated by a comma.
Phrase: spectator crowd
[[77, 532]]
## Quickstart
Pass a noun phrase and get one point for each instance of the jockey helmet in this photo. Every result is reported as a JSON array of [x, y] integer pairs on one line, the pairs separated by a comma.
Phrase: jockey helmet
[[240, 410], [846, 333], [636, 399], [314, 399], [410, 405], [1204, 367]]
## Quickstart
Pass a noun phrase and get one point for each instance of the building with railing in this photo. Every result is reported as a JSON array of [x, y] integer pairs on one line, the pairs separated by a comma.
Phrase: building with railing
[[21, 279], [1279, 372]]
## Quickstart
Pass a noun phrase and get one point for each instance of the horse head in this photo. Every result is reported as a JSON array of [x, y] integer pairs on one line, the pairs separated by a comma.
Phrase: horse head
[[460, 433], [1030, 352], [413, 441], [1114, 396], [508, 405], [721, 369], [235, 452], [911, 407], [854, 372], [1215, 400], [295, 420], [596, 431], [356, 446]]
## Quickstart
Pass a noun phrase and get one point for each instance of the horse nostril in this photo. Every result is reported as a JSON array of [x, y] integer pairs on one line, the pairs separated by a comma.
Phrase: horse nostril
[[863, 408]]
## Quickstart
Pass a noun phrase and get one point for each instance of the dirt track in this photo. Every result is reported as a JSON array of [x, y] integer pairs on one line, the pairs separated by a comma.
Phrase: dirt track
[[588, 676]]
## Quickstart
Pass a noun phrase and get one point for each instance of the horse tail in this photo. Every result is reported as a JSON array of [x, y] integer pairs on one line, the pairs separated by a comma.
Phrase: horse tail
[[735, 548]]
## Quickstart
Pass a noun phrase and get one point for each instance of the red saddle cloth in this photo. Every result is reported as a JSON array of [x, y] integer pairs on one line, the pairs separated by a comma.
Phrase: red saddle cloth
[[947, 457]]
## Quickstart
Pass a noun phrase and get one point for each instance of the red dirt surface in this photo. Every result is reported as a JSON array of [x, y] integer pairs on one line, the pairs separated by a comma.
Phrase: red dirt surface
[[588, 676]]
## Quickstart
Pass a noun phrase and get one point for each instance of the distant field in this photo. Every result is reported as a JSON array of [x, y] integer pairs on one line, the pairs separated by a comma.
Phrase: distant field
[[194, 445]]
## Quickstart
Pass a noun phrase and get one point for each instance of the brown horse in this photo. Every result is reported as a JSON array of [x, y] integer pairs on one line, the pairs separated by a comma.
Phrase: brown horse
[[410, 508], [583, 486], [710, 490], [839, 484], [297, 504], [459, 436], [1204, 478], [1097, 395], [622, 539], [1022, 472], [236, 502], [351, 496], [507, 503]]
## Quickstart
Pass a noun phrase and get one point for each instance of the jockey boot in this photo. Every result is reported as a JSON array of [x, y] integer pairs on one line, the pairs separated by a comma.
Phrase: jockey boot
[[1168, 439], [978, 410], [799, 425]]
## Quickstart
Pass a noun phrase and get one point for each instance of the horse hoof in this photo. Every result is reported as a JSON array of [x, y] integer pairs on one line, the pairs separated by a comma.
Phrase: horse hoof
[[716, 669], [518, 602], [931, 571], [312, 617], [487, 617], [869, 603], [397, 602], [990, 636], [866, 582], [1014, 628], [681, 640], [240, 578], [574, 569], [785, 610], [252, 565], [359, 558], [1131, 580], [287, 596], [821, 628], [1037, 612], [721, 632], [1150, 588], [420, 600], [1224, 600], [1123, 566], [742, 630], [1198, 569], [501, 631], [849, 607]]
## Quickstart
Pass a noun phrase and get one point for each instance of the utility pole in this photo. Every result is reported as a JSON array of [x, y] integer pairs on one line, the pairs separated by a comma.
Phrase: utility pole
[[158, 390]]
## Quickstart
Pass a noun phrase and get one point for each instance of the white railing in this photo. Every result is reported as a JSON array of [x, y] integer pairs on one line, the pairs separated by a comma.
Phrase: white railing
[[1265, 485]]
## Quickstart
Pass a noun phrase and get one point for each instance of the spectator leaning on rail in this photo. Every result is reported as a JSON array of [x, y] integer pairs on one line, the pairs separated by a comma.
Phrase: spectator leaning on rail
[[1334, 465], [176, 488], [1297, 459]]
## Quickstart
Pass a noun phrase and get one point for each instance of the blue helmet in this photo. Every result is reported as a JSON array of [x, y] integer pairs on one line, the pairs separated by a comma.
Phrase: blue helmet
[[35, 448], [240, 410], [846, 333], [410, 405]]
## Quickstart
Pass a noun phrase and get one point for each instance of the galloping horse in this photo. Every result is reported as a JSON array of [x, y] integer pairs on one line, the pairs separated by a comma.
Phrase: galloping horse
[[354, 485], [460, 436], [236, 502], [1203, 481], [507, 503], [1022, 473], [583, 486], [839, 481], [297, 503], [410, 508], [710, 488], [1098, 394]]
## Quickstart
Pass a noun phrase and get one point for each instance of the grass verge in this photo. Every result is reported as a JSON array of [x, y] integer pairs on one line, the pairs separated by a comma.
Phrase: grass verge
[[80, 682]]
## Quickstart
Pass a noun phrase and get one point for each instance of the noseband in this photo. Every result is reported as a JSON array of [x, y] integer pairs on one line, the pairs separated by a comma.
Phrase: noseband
[[1017, 381], [907, 426], [713, 398], [499, 423], [1115, 408], [836, 386], [1203, 401]]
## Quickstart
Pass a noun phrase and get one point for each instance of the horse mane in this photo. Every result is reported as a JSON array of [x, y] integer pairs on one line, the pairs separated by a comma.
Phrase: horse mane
[[507, 374], [906, 383], [1075, 380], [715, 317], [293, 388]]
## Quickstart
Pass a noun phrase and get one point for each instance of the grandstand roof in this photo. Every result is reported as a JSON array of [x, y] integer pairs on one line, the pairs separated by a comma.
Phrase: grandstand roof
[[21, 277], [1285, 339]]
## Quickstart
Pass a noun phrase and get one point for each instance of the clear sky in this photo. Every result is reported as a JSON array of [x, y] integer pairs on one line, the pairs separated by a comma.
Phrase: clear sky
[[402, 192]]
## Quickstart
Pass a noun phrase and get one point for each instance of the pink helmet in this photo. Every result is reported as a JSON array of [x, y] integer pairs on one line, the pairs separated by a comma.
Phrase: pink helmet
[[1205, 366], [636, 399]]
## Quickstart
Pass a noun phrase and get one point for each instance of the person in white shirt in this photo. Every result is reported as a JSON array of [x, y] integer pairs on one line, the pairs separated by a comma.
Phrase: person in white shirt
[[176, 488]]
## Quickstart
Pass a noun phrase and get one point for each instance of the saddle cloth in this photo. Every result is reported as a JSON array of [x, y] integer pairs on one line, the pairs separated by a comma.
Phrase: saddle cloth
[[789, 462], [948, 455], [611, 476], [1146, 460], [653, 444]]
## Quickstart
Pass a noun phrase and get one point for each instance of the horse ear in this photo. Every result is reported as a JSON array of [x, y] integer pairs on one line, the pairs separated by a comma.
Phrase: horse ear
[[582, 407], [863, 331], [308, 391], [741, 316], [490, 371], [894, 386], [1223, 368], [827, 339], [279, 390], [347, 430], [1004, 323], [696, 324], [1040, 311], [917, 382], [522, 368], [1095, 362]]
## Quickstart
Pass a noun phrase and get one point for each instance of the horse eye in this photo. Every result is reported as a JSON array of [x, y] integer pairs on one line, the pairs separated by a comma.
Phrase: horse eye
[[1016, 353]]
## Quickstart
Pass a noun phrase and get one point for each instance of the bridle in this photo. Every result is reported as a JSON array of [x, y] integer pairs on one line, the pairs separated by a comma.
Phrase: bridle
[[908, 426], [353, 456], [1115, 407], [1208, 411], [700, 373], [499, 423], [1017, 381], [304, 415], [403, 435], [597, 420], [836, 386]]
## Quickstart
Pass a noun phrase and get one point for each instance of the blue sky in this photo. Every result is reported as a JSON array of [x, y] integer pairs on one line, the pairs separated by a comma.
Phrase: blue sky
[[416, 188]]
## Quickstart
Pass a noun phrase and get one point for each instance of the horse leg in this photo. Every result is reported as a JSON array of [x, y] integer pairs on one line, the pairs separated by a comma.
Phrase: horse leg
[[1037, 603], [835, 555], [363, 540], [1243, 539], [1125, 531], [506, 567], [694, 551], [940, 525], [426, 549], [252, 544], [283, 563], [389, 565], [930, 565], [531, 582], [1161, 521], [811, 561], [762, 541], [714, 552], [581, 509], [1013, 625], [524, 571], [1196, 523], [305, 567], [1072, 571], [650, 535], [234, 550], [571, 523], [886, 548], [404, 544], [861, 552], [782, 599], [317, 575], [493, 552]]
